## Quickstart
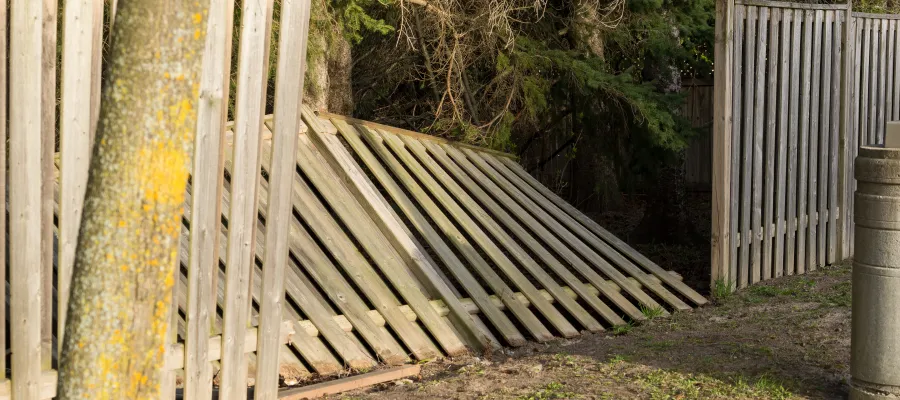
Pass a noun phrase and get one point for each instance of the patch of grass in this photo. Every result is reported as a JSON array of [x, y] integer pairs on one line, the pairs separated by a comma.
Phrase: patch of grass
[[619, 330], [661, 345], [618, 358], [722, 291], [840, 295], [661, 384], [553, 390], [651, 312], [473, 369], [565, 360]]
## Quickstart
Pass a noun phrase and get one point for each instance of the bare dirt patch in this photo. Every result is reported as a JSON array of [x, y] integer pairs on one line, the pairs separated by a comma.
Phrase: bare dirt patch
[[782, 340]]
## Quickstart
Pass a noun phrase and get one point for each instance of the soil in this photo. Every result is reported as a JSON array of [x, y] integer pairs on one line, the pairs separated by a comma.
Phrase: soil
[[785, 339]]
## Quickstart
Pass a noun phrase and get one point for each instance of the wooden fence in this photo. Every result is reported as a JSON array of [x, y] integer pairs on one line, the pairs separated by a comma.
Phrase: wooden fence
[[336, 277], [799, 87]]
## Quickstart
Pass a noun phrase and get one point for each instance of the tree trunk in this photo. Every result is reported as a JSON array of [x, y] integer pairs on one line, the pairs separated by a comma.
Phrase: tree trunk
[[127, 247]]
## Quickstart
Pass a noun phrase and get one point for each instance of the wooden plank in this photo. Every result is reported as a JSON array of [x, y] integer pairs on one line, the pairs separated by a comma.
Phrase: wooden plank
[[882, 74], [293, 34], [825, 139], [516, 229], [530, 219], [769, 140], [206, 173], [456, 266], [480, 211], [4, 251], [894, 83], [847, 50], [793, 139], [862, 15], [784, 88], [866, 47], [814, 136], [747, 154], [25, 201], [756, 166], [608, 244], [256, 21], [351, 383], [75, 141], [855, 136], [790, 5], [889, 74], [370, 238], [46, 388], [415, 256], [534, 326], [730, 151], [805, 122], [463, 202], [167, 384], [48, 147]]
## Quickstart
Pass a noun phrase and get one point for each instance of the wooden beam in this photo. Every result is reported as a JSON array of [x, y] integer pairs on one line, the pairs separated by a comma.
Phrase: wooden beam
[[351, 383], [722, 131]]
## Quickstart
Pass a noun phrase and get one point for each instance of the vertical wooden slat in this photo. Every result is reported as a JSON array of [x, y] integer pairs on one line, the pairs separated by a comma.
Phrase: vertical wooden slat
[[784, 88], [256, 19], [771, 125], [805, 115], [814, 134], [96, 65], [4, 57], [857, 138], [25, 196], [889, 73], [294, 29], [203, 258], [793, 136], [48, 147], [866, 47], [75, 139], [844, 130], [882, 78], [756, 165], [825, 137], [167, 382], [727, 147], [747, 139], [894, 91]]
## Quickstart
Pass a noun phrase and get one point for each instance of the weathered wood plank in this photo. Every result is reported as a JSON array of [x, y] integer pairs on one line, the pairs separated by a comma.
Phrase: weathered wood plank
[[881, 76], [894, 83], [531, 219], [747, 146], [864, 96], [253, 61], [207, 179], [457, 268], [756, 165], [789, 5], [793, 138], [48, 147], [814, 136], [497, 284], [293, 34], [25, 201], [784, 89], [890, 91], [415, 256], [730, 154], [516, 229], [825, 139], [4, 251], [75, 139], [846, 49], [351, 383], [769, 141], [805, 122]]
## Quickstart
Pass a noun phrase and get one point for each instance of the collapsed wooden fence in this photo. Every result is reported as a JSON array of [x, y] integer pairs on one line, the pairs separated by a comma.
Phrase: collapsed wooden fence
[[799, 87], [369, 245]]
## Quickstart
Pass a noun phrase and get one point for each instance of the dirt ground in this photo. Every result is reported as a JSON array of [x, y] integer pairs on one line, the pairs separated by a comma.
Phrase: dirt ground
[[788, 339]]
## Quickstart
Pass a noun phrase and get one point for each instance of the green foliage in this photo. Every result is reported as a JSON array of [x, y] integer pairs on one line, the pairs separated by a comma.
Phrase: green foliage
[[356, 21], [722, 291]]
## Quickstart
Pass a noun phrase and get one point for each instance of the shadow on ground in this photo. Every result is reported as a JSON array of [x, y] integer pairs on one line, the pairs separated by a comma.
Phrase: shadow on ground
[[783, 340]]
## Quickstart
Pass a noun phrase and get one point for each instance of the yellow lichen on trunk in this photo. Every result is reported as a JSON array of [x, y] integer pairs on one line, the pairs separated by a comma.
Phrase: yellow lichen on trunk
[[118, 312]]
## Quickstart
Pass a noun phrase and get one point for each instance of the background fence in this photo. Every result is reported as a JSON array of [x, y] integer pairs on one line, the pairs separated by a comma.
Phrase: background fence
[[799, 88]]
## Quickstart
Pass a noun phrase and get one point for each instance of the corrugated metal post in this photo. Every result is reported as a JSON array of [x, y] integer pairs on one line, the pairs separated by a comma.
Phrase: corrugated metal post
[[875, 339]]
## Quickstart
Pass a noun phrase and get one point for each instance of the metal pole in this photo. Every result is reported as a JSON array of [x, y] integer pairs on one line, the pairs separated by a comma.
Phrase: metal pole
[[875, 338]]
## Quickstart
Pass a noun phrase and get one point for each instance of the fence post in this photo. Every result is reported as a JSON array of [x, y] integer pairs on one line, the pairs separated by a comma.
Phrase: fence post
[[846, 130], [721, 137]]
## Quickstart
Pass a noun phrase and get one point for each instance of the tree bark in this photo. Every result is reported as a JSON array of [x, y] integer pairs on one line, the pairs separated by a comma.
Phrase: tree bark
[[127, 247]]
